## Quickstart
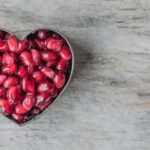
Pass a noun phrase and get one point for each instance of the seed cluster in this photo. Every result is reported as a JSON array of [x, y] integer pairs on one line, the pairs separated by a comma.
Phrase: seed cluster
[[33, 72]]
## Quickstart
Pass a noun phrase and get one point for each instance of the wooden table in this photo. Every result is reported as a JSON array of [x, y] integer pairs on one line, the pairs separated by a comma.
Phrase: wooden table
[[107, 104]]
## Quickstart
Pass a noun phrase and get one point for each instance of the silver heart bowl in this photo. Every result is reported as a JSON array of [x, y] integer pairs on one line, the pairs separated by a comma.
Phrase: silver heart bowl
[[67, 82]]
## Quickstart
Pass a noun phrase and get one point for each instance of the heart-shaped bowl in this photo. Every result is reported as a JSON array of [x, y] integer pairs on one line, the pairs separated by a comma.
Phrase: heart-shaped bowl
[[31, 36]]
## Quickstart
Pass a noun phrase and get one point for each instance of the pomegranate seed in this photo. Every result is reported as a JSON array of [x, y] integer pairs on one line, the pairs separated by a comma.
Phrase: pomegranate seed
[[56, 36], [3, 46], [31, 69], [6, 36], [10, 81], [41, 34], [65, 53], [54, 44], [59, 80], [48, 72], [5, 107], [8, 59], [51, 63], [17, 117], [26, 57], [20, 109], [2, 79], [35, 111], [35, 56], [62, 65], [45, 105], [41, 98], [23, 45], [13, 43], [12, 95], [48, 55], [54, 93], [1, 34], [31, 44], [22, 71], [45, 87], [28, 84], [40, 44], [11, 69], [2, 92], [38, 76], [29, 101]]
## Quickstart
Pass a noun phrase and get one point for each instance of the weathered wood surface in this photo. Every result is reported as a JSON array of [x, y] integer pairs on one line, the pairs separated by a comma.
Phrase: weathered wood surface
[[107, 104]]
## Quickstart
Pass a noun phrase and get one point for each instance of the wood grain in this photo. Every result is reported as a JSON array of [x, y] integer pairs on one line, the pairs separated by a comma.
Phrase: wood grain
[[107, 104]]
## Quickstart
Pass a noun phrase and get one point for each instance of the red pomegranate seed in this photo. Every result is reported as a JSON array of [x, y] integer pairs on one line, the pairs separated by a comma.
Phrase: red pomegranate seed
[[29, 101], [22, 71], [41, 98], [2, 79], [23, 45], [35, 111], [65, 53], [8, 59], [30, 69], [54, 44], [35, 56], [17, 117], [48, 55], [50, 73], [41, 34], [28, 84], [45, 105], [20, 109], [3, 46], [56, 36], [59, 80], [45, 87], [26, 58], [31, 44], [5, 107], [62, 65], [13, 43], [9, 69], [51, 63], [54, 93], [40, 44], [2, 92], [1, 34], [38, 76], [10, 81], [12, 95]]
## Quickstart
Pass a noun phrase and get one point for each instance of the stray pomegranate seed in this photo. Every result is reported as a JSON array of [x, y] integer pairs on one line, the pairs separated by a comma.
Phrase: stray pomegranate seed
[[8, 59], [17, 117], [48, 72], [65, 53], [38, 76], [3, 46], [9, 69], [59, 80], [54, 44], [28, 84], [2, 92], [5, 107], [62, 65], [41, 34], [45, 87], [29, 101], [10, 81], [20, 109], [51, 63], [13, 43], [48, 55], [22, 71], [2, 79], [35, 56], [26, 57]]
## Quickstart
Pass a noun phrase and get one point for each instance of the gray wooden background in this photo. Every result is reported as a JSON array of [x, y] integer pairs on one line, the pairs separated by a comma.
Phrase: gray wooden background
[[107, 104]]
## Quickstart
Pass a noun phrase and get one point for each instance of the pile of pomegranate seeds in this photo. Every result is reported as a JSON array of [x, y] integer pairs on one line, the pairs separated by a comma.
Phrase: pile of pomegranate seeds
[[33, 72]]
